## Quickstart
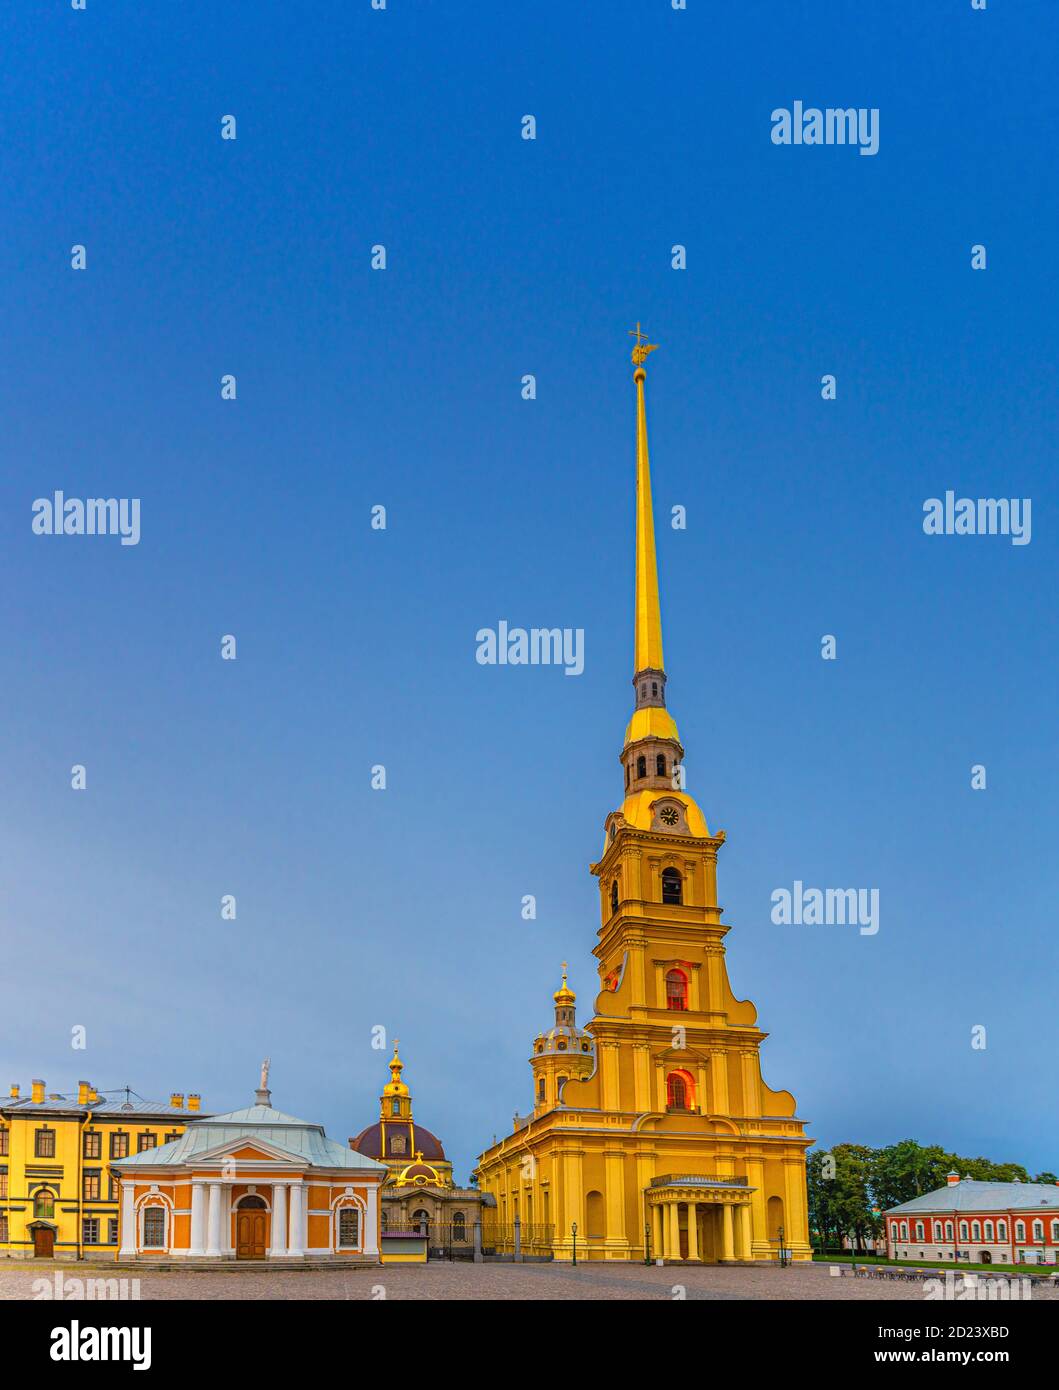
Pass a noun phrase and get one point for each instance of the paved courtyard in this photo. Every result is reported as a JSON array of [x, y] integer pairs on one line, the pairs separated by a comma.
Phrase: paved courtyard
[[439, 1280]]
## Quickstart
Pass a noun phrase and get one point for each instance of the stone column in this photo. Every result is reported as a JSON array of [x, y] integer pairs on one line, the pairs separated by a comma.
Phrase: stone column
[[746, 1246], [128, 1219], [279, 1220], [719, 1082], [672, 1231], [213, 1230], [751, 1084], [727, 1242], [642, 1077], [297, 1219], [614, 1198], [794, 1212], [658, 1248], [693, 1230], [371, 1223], [198, 1218], [608, 1070]]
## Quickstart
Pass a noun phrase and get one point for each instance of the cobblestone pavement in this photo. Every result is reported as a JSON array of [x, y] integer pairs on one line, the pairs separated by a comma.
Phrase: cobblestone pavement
[[439, 1280]]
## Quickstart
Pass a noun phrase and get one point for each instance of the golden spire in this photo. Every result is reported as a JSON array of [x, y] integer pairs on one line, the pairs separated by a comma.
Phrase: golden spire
[[648, 641]]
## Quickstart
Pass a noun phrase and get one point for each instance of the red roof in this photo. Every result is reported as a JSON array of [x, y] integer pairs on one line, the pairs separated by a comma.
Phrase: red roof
[[369, 1142]]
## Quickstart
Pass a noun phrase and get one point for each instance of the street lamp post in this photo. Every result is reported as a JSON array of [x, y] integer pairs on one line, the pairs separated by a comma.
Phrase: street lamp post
[[573, 1232], [647, 1244]]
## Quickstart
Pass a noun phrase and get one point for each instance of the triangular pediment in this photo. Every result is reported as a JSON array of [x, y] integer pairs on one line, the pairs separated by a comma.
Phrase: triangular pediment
[[247, 1150]]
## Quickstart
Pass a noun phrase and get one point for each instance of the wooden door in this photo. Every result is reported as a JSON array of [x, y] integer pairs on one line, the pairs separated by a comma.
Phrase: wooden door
[[250, 1235], [43, 1242]]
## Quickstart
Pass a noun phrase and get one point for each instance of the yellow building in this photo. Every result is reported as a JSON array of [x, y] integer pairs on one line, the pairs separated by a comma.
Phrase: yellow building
[[672, 1147], [58, 1196]]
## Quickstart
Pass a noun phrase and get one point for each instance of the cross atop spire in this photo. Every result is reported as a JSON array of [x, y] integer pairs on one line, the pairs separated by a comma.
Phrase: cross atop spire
[[642, 348]]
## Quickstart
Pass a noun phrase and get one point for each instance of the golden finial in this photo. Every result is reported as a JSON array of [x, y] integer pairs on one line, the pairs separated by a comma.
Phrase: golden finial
[[642, 348], [564, 994]]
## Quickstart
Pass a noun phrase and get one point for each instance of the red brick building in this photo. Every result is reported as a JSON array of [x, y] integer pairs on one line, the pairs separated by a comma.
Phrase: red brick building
[[978, 1223]]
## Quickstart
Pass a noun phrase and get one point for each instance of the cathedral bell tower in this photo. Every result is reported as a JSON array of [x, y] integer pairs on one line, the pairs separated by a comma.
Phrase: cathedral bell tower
[[666, 1142], [563, 1052]]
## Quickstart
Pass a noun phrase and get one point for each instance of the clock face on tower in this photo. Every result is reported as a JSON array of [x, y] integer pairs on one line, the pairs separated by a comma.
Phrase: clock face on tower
[[669, 815]]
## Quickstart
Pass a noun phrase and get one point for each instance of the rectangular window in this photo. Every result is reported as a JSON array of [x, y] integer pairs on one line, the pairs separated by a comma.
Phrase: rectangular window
[[5, 1140], [154, 1228], [112, 1187], [146, 1141], [44, 1143], [119, 1145], [90, 1184], [90, 1230], [112, 1231], [3, 1182], [173, 1134], [3, 1228], [349, 1228], [93, 1144]]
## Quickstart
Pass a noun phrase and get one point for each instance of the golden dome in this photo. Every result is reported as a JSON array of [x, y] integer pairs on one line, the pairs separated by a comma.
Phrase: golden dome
[[419, 1174], [651, 721], [564, 994], [395, 1086]]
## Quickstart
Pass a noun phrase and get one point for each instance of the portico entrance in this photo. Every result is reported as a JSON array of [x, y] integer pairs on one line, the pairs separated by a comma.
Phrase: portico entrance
[[251, 1229], [699, 1219]]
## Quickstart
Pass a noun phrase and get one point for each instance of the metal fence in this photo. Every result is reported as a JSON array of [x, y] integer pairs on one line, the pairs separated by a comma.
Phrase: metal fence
[[528, 1237]]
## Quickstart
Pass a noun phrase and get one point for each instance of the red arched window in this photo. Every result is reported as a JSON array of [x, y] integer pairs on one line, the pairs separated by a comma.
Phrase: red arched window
[[680, 1091], [676, 990]]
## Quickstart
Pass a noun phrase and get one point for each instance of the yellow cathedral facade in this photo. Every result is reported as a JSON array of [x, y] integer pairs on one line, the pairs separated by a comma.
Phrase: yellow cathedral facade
[[653, 1134]]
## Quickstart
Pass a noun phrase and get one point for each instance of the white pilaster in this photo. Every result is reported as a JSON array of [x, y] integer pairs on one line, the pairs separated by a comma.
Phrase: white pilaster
[[213, 1231], [371, 1222], [198, 1217], [299, 1194], [279, 1219], [227, 1238], [128, 1219]]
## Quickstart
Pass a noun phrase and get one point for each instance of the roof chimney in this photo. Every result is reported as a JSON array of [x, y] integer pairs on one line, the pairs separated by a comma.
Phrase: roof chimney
[[176, 1100], [953, 1178], [15, 1088], [38, 1091], [83, 1089], [194, 1101]]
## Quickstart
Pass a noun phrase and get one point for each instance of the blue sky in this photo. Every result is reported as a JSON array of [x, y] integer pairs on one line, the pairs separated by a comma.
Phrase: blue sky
[[401, 908]]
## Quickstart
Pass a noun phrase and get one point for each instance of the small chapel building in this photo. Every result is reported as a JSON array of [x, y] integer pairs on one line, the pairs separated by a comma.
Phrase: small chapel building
[[254, 1184], [423, 1210]]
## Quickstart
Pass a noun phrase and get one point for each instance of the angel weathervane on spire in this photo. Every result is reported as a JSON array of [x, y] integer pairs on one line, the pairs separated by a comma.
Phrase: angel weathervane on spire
[[642, 348]]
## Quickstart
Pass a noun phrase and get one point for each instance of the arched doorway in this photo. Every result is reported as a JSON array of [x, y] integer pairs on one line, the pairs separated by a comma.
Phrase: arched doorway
[[421, 1221], [251, 1228], [985, 1257]]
